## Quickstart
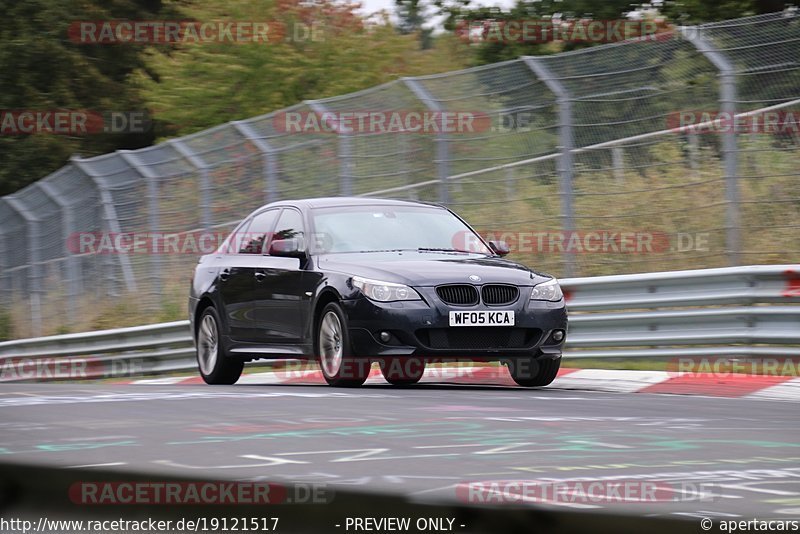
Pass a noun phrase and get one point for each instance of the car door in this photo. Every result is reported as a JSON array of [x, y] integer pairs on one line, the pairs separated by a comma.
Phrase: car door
[[279, 295], [237, 275]]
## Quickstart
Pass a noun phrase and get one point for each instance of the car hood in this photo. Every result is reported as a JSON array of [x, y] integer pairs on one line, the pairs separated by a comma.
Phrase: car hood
[[430, 269]]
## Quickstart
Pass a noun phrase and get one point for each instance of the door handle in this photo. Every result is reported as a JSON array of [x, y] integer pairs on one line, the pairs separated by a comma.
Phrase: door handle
[[260, 275], [224, 274]]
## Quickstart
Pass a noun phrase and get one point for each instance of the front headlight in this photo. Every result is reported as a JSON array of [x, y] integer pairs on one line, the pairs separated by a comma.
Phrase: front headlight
[[549, 290], [384, 291]]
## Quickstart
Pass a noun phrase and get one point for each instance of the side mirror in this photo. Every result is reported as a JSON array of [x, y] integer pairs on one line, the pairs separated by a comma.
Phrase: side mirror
[[287, 248], [499, 247]]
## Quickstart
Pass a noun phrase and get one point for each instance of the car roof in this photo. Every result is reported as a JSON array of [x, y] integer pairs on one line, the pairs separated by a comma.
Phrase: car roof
[[331, 202]]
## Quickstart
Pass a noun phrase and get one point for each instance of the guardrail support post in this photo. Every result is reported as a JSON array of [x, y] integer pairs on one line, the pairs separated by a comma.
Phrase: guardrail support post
[[566, 146], [110, 216], [268, 156], [442, 144], [345, 149], [34, 274], [730, 153]]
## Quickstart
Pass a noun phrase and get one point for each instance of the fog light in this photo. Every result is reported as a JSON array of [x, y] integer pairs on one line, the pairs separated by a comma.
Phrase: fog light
[[558, 335], [386, 337]]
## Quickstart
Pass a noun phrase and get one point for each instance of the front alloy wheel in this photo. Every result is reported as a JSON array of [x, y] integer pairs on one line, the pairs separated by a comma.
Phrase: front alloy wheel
[[338, 365], [212, 360]]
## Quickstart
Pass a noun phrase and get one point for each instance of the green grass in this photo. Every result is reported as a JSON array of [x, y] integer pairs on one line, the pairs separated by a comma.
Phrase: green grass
[[615, 363], [5, 326]]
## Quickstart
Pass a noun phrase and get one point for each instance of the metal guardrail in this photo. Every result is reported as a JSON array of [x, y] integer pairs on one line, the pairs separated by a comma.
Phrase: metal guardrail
[[736, 311], [149, 349]]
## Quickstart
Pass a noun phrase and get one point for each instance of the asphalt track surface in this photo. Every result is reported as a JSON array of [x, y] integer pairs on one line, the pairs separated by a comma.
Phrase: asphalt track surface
[[716, 457]]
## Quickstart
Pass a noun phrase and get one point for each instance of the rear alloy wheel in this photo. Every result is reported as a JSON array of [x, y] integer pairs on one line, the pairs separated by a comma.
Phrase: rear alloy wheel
[[402, 371], [216, 367], [532, 372], [339, 367]]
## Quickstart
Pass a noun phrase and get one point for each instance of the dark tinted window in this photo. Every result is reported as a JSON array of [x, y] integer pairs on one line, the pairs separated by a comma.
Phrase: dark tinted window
[[290, 225], [252, 242], [234, 241]]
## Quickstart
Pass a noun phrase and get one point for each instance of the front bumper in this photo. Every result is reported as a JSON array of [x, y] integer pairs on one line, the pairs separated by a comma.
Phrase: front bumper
[[421, 328]]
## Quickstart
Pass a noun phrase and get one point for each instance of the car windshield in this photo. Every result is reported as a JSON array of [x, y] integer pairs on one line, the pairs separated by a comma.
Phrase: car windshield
[[392, 227]]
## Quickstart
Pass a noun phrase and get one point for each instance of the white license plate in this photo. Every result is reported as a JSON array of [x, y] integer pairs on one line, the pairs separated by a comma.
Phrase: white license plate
[[482, 318]]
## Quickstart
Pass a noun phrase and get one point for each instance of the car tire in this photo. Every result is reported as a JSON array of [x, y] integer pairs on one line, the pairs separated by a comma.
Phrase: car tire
[[332, 343], [215, 365], [533, 372], [402, 371]]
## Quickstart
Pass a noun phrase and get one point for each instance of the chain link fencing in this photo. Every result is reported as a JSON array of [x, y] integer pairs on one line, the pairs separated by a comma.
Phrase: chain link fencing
[[583, 162]]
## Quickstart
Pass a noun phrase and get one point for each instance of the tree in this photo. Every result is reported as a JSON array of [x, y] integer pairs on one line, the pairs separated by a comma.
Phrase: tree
[[412, 15], [699, 11], [336, 52], [461, 13], [44, 70]]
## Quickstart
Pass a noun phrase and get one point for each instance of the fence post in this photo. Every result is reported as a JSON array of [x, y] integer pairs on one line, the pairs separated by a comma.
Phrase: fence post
[[3, 268], [73, 268], [511, 183], [205, 180], [694, 153], [110, 216], [405, 158], [442, 145], [156, 261], [268, 157], [34, 274], [618, 163], [730, 155], [565, 161], [345, 148]]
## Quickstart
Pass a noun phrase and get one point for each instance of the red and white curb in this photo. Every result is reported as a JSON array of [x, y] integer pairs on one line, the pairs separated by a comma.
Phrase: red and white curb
[[619, 381]]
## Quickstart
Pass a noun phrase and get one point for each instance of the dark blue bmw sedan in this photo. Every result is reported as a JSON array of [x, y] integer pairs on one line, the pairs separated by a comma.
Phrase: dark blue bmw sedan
[[351, 281]]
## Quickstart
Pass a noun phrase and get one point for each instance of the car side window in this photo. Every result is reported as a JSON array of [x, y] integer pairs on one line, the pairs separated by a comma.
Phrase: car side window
[[290, 225], [233, 242], [258, 231]]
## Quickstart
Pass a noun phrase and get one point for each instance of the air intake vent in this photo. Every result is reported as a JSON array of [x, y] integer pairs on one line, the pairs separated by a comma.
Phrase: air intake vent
[[458, 294], [478, 338], [495, 294]]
